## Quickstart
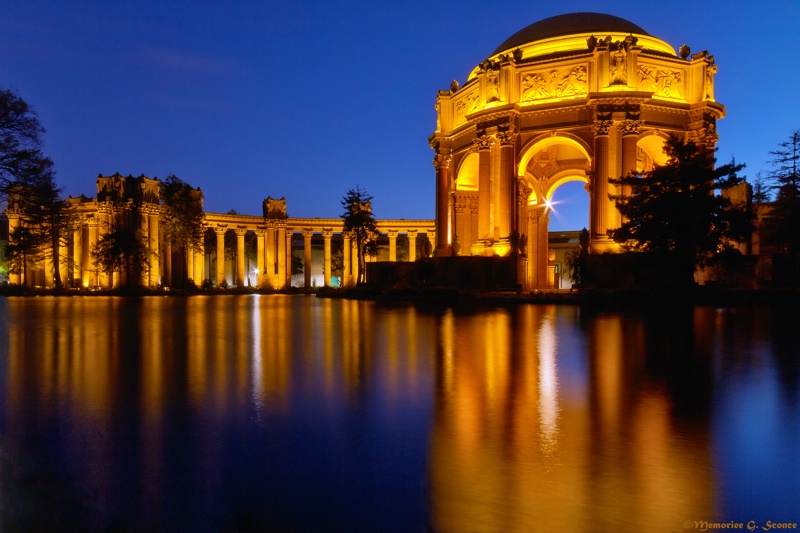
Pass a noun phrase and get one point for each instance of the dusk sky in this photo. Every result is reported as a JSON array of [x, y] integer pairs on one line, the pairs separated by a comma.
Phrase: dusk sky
[[307, 99]]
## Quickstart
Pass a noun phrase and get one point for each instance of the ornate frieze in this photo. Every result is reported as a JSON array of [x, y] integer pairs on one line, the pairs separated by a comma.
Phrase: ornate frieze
[[555, 83], [662, 82]]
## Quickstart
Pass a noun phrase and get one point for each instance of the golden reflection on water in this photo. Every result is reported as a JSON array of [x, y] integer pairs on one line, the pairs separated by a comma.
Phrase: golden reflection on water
[[541, 421], [516, 448]]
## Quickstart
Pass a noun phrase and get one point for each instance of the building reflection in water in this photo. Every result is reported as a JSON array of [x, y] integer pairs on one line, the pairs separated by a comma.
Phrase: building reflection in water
[[533, 418], [531, 435]]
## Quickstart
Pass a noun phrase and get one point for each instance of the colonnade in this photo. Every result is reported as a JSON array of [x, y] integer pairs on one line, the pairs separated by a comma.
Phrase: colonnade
[[274, 239]]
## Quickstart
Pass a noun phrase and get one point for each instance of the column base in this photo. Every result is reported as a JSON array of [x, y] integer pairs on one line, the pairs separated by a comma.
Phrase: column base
[[489, 248]]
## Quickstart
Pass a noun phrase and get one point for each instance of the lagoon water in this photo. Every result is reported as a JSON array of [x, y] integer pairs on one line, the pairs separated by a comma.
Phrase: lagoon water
[[290, 413]]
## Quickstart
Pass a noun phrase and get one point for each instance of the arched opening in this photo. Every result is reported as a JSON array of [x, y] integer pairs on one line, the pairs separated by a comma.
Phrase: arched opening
[[555, 168], [467, 179], [569, 206]]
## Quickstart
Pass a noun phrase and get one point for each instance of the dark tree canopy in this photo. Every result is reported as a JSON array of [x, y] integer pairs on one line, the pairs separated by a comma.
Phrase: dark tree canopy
[[782, 224], [182, 214], [675, 208], [360, 225], [27, 185], [122, 250], [21, 158]]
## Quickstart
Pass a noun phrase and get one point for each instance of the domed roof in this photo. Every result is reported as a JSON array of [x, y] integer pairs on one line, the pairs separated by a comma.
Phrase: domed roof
[[570, 24]]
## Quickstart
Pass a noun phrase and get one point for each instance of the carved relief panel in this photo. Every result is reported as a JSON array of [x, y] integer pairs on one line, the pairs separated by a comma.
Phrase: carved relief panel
[[663, 82], [564, 82]]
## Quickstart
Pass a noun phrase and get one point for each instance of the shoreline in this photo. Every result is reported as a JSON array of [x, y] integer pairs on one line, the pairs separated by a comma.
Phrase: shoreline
[[698, 296]]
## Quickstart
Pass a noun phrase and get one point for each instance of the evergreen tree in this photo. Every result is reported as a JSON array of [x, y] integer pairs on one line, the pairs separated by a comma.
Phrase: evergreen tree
[[782, 223], [360, 226], [182, 215], [122, 250], [27, 185], [674, 209]]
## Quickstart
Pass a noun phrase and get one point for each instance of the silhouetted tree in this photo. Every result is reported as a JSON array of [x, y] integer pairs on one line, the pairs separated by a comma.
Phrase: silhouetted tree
[[27, 184], [782, 223], [122, 250], [674, 208], [575, 260], [182, 216], [360, 226], [761, 189]]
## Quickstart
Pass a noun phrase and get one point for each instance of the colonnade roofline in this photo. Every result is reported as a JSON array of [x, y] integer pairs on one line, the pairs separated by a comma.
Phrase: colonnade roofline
[[253, 222]]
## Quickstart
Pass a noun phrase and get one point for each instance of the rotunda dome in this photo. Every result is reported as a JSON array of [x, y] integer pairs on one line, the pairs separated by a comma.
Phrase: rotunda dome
[[570, 24]]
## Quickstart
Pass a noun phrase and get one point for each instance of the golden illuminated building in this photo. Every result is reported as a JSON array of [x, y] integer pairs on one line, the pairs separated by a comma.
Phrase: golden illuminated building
[[580, 97], [134, 202]]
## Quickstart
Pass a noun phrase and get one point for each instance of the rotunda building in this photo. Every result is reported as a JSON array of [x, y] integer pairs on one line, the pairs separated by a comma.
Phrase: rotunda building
[[577, 97]]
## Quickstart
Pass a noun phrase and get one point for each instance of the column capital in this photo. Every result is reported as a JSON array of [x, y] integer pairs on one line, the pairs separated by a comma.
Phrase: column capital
[[629, 127], [308, 232], [412, 233], [484, 142], [240, 231], [601, 127], [327, 233], [442, 160], [220, 229], [392, 233], [507, 138]]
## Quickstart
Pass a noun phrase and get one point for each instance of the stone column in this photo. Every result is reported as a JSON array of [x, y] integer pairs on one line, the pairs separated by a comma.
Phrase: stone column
[[270, 246], [261, 276], [13, 223], [507, 201], [599, 200], [630, 134], [288, 257], [484, 144], [280, 258], [347, 260], [327, 233], [412, 245], [166, 279], [240, 273], [432, 238], [77, 255], [103, 227], [63, 264], [189, 263], [308, 233], [537, 247], [199, 265], [441, 162], [392, 244], [89, 275], [220, 274], [152, 239]]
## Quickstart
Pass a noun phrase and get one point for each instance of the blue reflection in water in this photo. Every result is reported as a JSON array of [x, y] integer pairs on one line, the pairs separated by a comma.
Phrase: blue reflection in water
[[288, 413]]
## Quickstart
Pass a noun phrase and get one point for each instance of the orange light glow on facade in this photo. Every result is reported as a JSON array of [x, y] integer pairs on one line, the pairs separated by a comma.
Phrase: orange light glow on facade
[[581, 97]]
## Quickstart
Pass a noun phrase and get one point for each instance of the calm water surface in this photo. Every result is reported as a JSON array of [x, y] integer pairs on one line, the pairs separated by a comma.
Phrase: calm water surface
[[289, 413]]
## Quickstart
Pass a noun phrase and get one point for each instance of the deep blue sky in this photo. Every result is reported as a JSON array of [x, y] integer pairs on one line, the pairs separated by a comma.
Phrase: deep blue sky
[[308, 99]]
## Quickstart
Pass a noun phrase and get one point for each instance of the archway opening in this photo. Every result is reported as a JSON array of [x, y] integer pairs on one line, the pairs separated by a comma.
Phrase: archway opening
[[569, 207]]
